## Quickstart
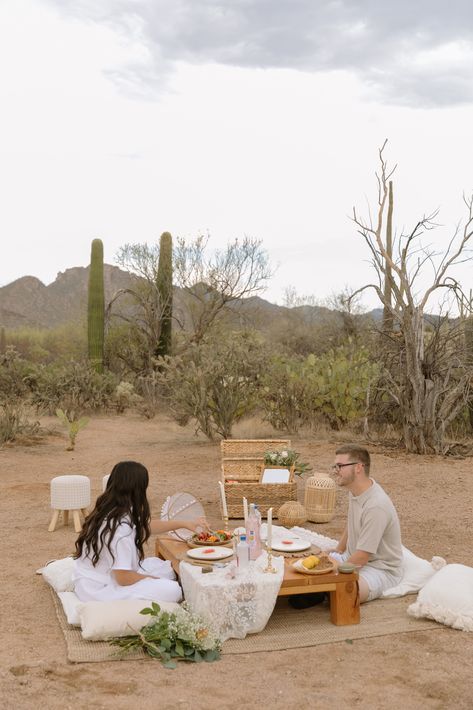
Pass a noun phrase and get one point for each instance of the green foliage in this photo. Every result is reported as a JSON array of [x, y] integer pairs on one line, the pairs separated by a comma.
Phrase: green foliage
[[340, 380], [214, 383], [14, 392], [178, 636], [289, 457], [125, 396], [63, 343], [286, 394], [73, 427], [96, 306], [74, 388], [333, 385], [164, 285]]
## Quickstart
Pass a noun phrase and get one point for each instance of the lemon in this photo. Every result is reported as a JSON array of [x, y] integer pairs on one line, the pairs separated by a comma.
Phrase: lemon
[[310, 562]]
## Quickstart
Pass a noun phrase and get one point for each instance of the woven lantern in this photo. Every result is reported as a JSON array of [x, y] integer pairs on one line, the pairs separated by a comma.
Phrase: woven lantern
[[319, 500], [292, 513]]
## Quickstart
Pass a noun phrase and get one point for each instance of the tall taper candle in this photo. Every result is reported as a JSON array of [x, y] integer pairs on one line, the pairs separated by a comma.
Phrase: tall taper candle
[[224, 500], [269, 535], [245, 510]]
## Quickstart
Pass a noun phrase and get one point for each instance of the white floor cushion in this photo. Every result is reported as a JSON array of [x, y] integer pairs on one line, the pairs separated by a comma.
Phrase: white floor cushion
[[104, 620], [416, 573], [447, 598], [70, 603], [59, 574]]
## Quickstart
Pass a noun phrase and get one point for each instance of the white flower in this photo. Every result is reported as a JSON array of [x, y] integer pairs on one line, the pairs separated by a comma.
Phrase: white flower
[[284, 454]]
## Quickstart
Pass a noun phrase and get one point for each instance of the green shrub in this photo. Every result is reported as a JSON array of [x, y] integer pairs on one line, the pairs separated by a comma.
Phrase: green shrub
[[296, 392], [215, 383], [74, 388]]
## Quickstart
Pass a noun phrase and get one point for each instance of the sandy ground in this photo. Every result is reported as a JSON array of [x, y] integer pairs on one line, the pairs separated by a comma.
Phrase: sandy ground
[[428, 669]]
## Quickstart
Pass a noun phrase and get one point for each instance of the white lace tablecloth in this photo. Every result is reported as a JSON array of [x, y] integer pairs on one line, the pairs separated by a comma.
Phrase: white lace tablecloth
[[235, 607]]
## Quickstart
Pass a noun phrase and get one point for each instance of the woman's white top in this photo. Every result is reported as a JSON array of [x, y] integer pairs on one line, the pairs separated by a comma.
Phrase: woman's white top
[[99, 584]]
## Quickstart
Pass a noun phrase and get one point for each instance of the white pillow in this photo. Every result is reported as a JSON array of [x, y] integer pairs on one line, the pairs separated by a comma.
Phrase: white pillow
[[70, 602], [104, 620], [416, 573], [447, 598], [59, 574]]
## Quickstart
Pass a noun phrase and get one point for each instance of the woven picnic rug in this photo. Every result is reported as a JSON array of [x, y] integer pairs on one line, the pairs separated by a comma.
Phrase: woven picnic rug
[[287, 628]]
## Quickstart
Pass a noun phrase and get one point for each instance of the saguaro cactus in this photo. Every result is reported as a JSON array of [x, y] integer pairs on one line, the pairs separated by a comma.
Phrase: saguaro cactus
[[164, 285], [96, 306]]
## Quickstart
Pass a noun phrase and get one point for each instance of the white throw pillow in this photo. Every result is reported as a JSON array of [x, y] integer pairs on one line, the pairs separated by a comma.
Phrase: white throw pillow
[[416, 573], [70, 603], [447, 598], [59, 574], [104, 620]]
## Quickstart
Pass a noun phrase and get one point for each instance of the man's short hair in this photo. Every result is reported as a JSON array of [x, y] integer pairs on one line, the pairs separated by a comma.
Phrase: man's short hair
[[357, 453]]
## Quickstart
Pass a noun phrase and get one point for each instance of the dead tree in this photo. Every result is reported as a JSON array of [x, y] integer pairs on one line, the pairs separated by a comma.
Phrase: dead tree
[[426, 373]]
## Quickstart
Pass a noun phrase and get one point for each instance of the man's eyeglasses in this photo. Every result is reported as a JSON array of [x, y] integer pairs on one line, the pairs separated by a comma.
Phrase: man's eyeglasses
[[338, 466]]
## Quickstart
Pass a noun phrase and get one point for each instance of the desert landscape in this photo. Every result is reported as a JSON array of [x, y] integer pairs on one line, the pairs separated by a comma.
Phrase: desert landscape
[[425, 669]]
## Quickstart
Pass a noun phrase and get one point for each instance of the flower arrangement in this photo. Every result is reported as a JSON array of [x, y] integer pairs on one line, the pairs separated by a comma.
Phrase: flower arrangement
[[177, 636], [287, 457]]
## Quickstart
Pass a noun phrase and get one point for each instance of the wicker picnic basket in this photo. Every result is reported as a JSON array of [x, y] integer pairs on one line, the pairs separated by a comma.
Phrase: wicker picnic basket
[[319, 498], [242, 461]]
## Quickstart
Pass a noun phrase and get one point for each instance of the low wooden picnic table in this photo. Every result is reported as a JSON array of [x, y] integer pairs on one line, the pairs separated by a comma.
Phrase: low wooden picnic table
[[342, 588]]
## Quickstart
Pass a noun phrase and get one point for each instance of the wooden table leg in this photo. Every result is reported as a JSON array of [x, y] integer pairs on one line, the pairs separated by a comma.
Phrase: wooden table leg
[[345, 604]]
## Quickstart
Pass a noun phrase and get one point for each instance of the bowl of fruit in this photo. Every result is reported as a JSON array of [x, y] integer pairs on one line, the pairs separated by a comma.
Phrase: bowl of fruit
[[211, 537]]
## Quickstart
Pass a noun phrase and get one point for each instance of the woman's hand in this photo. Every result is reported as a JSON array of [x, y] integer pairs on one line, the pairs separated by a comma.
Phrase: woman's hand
[[194, 525]]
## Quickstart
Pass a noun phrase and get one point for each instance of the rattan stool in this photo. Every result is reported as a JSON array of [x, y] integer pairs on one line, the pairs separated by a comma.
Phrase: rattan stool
[[69, 493]]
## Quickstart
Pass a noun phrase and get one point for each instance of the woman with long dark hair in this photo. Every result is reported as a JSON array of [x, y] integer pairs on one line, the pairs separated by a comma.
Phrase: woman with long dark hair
[[109, 560]]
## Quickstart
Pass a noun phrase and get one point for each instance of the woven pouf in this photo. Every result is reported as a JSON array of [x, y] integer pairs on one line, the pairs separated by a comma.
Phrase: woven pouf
[[292, 513], [320, 498], [69, 493], [104, 481]]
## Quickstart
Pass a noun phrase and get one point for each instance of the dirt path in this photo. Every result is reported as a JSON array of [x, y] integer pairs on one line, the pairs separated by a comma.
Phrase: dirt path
[[430, 669]]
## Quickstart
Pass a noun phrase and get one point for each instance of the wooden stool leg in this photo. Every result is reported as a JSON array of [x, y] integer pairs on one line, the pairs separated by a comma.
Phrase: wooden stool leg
[[54, 519], [84, 512], [345, 604], [65, 517], [77, 522]]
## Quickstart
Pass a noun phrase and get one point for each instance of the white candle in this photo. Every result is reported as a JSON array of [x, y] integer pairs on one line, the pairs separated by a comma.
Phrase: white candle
[[245, 510], [269, 533], [224, 500]]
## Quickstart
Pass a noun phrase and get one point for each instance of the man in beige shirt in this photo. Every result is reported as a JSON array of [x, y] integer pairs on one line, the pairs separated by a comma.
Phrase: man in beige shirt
[[372, 537]]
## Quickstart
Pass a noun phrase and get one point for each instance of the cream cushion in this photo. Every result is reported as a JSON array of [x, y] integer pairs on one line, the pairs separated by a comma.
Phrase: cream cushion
[[59, 574], [415, 573], [70, 603], [447, 598], [104, 620]]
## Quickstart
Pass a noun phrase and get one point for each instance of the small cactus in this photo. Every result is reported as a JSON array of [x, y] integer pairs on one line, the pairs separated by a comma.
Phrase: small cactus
[[73, 427]]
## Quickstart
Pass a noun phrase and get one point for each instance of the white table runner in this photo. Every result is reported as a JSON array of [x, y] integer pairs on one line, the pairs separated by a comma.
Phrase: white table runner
[[234, 606]]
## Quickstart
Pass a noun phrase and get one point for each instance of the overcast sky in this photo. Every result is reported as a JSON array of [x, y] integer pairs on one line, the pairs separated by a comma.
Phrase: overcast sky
[[124, 118]]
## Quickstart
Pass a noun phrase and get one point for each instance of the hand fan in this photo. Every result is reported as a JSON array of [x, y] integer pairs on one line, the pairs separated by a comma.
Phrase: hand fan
[[181, 506]]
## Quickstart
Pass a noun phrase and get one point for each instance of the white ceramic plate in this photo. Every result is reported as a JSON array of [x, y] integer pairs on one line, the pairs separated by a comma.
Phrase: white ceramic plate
[[216, 553], [291, 544]]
